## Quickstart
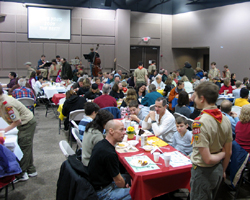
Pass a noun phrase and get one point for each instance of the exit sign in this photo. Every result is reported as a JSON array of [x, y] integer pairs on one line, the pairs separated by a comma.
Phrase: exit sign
[[145, 39]]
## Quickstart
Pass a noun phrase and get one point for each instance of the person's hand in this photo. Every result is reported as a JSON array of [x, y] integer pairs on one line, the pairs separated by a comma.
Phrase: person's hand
[[127, 185], [158, 87], [134, 117], [209, 76], [152, 115], [224, 175], [233, 114], [176, 96]]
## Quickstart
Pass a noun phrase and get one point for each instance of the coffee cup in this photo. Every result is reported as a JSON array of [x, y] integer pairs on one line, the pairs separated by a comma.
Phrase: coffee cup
[[156, 156], [2, 133], [167, 158]]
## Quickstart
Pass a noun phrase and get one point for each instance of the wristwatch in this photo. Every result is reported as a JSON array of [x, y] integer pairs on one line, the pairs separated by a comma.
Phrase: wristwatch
[[153, 121]]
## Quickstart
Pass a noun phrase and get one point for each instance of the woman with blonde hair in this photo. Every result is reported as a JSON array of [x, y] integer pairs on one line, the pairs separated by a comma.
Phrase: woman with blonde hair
[[188, 87], [131, 95], [242, 129], [84, 86]]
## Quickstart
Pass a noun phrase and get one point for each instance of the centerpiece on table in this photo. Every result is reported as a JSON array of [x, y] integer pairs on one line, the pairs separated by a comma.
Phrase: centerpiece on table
[[130, 132]]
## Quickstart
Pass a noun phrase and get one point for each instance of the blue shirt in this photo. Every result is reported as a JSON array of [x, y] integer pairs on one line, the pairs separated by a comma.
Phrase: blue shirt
[[183, 144], [82, 125], [150, 98], [233, 122]]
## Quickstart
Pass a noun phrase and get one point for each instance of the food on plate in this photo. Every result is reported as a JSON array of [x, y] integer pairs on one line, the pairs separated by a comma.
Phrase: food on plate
[[121, 145], [143, 163]]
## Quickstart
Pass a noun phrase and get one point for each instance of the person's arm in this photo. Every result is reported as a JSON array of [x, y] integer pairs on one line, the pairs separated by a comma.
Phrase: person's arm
[[12, 125], [174, 141], [171, 95], [145, 123], [228, 152], [146, 78], [210, 159], [119, 181], [165, 126]]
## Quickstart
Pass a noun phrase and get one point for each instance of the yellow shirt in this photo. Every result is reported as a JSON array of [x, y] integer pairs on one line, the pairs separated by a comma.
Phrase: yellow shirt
[[241, 102]]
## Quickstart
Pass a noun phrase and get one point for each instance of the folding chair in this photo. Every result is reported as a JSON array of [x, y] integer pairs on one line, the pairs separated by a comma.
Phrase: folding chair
[[219, 100], [76, 116], [75, 133], [66, 149], [152, 107], [28, 102], [236, 109]]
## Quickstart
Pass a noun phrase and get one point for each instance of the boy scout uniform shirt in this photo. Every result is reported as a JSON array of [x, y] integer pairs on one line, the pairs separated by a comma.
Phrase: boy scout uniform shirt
[[140, 74], [214, 73], [19, 111], [211, 134]]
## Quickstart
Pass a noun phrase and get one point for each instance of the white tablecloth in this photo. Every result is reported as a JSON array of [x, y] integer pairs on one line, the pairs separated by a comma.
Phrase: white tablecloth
[[50, 91], [11, 140]]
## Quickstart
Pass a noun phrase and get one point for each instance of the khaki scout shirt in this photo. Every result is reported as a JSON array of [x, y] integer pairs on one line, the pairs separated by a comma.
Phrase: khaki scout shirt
[[19, 111], [214, 73], [140, 74], [228, 74], [29, 71], [53, 70], [213, 135], [150, 68]]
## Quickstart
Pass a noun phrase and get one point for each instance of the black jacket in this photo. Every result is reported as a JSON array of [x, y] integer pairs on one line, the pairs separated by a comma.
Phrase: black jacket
[[73, 182], [73, 103], [66, 70], [91, 95]]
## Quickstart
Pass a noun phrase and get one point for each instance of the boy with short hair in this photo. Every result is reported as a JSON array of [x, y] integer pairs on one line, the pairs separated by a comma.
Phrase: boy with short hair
[[183, 137], [212, 143]]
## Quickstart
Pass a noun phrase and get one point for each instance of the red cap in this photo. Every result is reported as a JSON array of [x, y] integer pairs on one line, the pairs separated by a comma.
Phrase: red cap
[[5, 102]]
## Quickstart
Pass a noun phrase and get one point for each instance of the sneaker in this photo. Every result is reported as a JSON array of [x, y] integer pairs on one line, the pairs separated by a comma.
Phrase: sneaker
[[25, 177], [33, 174]]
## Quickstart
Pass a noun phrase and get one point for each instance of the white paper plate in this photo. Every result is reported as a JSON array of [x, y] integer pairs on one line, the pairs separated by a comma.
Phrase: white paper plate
[[138, 162], [121, 145]]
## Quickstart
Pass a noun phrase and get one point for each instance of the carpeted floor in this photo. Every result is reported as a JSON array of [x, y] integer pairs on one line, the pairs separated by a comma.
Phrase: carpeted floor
[[48, 159]]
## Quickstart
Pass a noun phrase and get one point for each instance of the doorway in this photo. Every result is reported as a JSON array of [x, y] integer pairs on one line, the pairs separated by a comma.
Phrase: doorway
[[144, 54]]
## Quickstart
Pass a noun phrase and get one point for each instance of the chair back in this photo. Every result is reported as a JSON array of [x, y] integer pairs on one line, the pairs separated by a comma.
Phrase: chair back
[[115, 111], [75, 133], [176, 114], [69, 87], [61, 101], [219, 100], [66, 149], [27, 101], [190, 122], [74, 124], [76, 115]]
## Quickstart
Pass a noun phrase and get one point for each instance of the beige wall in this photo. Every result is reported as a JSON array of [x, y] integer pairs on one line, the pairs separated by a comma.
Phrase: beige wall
[[225, 30]]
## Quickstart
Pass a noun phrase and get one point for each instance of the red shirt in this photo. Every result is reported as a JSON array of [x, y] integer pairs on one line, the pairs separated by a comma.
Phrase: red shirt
[[230, 89], [104, 101], [242, 133]]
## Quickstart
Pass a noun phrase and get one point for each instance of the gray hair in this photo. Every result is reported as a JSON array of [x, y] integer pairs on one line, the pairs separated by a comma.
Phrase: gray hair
[[152, 87], [22, 82], [164, 101], [105, 88]]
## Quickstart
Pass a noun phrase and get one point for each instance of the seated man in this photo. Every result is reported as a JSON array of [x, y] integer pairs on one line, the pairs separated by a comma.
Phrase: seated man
[[150, 98], [236, 92], [23, 91], [12, 76], [137, 114], [91, 110], [174, 93], [226, 107], [103, 166], [244, 98], [161, 121], [105, 100], [158, 83]]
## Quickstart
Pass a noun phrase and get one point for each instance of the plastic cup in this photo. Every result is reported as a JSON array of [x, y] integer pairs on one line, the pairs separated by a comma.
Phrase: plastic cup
[[167, 158], [127, 123], [125, 138], [156, 156], [2, 133], [138, 137], [136, 127]]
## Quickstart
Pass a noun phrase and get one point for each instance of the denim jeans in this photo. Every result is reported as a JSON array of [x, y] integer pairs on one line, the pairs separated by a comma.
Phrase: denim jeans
[[112, 192]]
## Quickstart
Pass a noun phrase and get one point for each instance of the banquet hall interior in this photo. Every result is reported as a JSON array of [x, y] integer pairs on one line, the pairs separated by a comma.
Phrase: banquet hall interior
[[123, 32]]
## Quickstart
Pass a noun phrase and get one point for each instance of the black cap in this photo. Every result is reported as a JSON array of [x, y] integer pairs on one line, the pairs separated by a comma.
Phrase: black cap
[[94, 86]]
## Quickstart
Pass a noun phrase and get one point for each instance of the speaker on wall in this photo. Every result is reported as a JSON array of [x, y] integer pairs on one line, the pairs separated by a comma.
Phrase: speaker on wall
[[108, 3]]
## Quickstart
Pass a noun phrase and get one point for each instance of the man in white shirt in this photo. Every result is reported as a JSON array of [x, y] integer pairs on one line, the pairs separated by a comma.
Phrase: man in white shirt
[[158, 83], [161, 121]]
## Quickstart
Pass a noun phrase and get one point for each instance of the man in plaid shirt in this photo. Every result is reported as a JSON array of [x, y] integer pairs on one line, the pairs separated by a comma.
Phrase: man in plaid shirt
[[23, 91]]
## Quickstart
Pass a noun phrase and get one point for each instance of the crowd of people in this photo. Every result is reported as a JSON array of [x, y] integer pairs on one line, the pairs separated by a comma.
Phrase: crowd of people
[[190, 92]]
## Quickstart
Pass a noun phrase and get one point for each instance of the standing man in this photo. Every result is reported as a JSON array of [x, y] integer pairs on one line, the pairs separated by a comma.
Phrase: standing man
[[92, 55], [66, 69], [212, 143], [161, 121], [227, 72], [103, 166], [17, 115], [214, 72], [152, 67], [187, 70], [140, 74], [29, 69], [58, 60], [53, 70]]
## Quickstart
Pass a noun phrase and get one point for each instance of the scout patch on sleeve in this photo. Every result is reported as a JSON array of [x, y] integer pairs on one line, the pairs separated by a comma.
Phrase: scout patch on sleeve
[[197, 139], [196, 127], [9, 108], [13, 116]]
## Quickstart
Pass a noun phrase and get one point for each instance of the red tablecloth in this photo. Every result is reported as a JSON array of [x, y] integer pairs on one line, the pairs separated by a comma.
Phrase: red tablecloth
[[56, 98], [150, 184]]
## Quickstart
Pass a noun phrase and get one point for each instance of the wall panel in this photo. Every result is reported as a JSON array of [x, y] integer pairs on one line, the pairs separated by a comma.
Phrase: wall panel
[[98, 40], [21, 24], [62, 50], [76, 26], [22, 54], [35, 51], [74, 50], [9, 55], [98, 27], [8, 37], [9, 24], [50, 51]]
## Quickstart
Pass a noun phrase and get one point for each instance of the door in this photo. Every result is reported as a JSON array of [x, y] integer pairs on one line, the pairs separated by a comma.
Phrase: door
[[206, 62], [144, 54]]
